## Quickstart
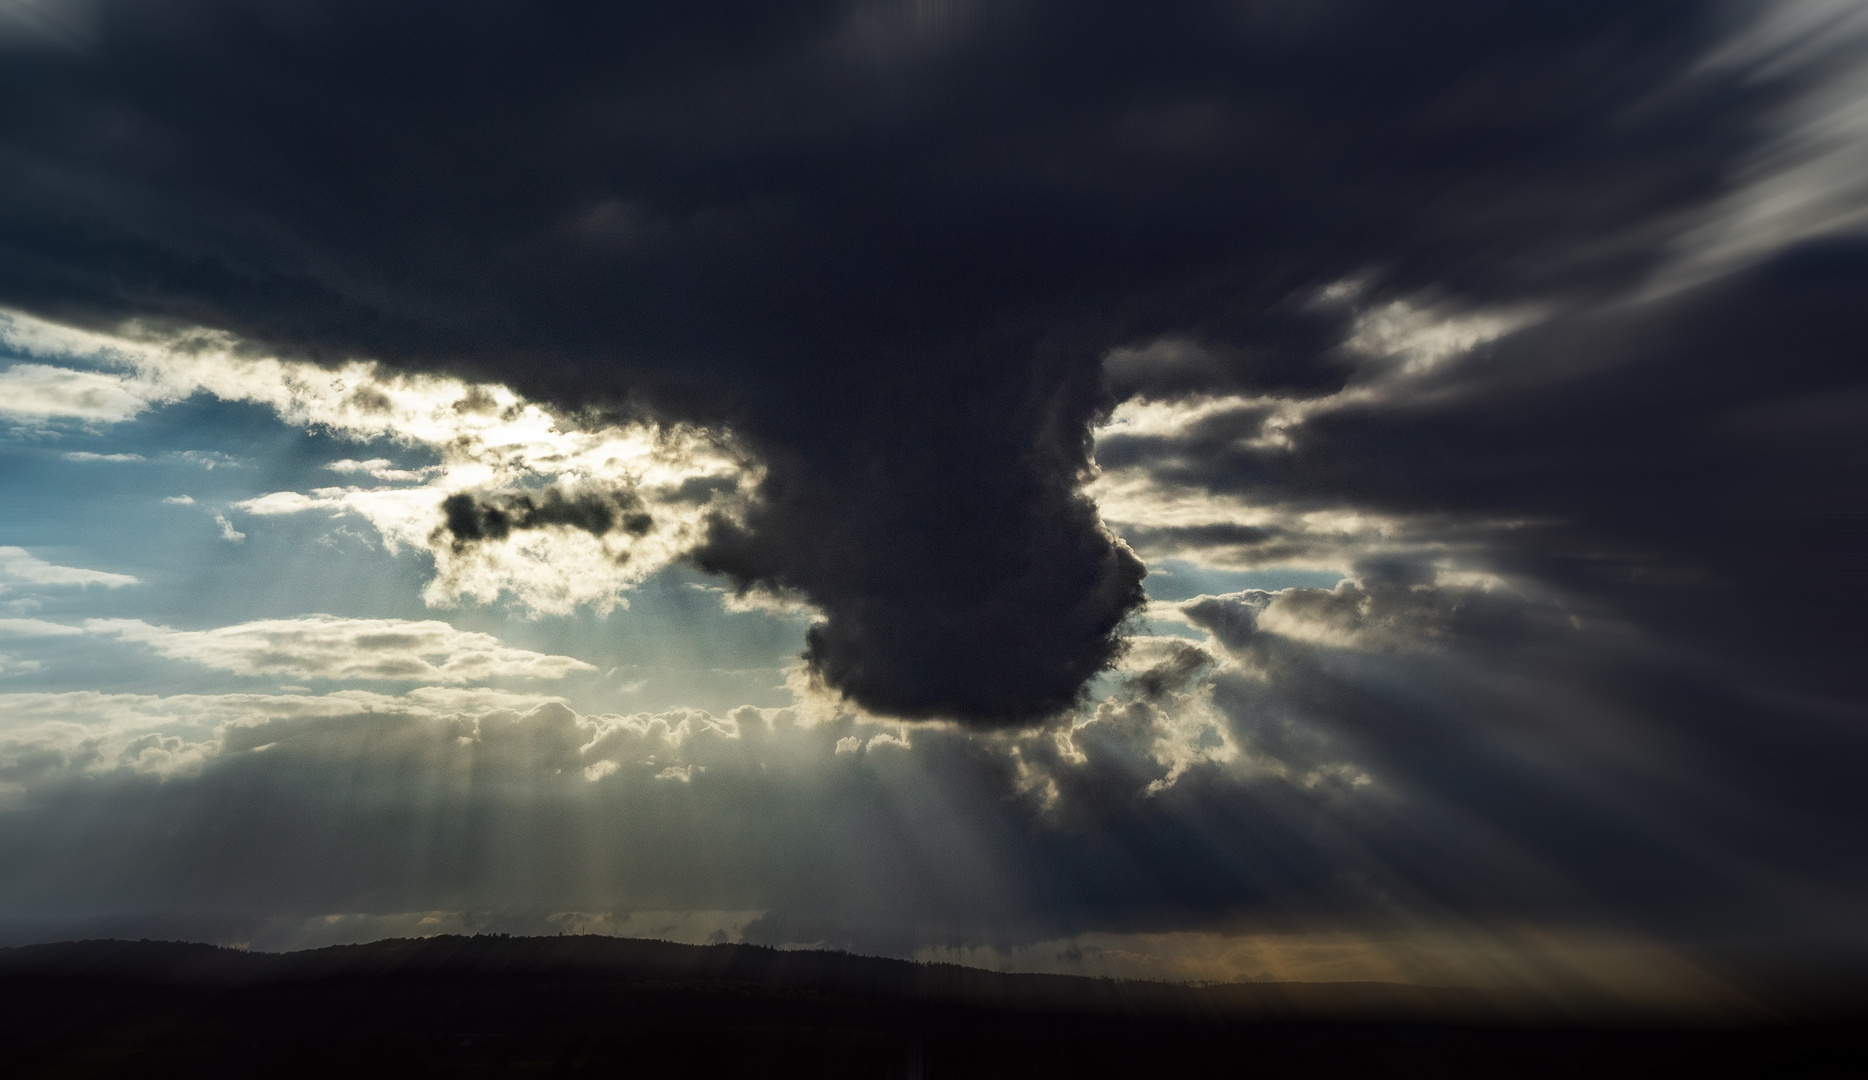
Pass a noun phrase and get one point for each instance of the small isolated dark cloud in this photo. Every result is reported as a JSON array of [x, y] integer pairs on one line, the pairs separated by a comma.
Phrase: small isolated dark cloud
[[892, 251], [469, 518]]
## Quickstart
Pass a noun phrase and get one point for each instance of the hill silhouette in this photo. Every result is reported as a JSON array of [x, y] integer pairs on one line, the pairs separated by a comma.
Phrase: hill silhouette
[[596, 1006]]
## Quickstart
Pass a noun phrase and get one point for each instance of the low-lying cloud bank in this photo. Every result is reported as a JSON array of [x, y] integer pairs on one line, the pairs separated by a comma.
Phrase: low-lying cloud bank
[[1385, 754]]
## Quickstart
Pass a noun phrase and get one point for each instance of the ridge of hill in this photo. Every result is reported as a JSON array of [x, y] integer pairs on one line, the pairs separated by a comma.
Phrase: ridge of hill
[[816, 971], [600, 1006]]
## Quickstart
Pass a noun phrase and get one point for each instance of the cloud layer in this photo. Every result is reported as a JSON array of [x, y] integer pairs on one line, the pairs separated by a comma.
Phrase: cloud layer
[[892, 258], [1246, 780]]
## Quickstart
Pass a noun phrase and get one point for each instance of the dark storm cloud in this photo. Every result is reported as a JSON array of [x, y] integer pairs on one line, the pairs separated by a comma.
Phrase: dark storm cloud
[[892, 250], [1676, 717], [1696, 466]]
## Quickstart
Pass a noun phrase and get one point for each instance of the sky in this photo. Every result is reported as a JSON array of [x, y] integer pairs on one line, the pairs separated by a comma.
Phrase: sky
[[1224, 489]]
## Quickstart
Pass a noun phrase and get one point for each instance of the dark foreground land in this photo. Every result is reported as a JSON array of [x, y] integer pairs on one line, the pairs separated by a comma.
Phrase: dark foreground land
[[570, 1006]]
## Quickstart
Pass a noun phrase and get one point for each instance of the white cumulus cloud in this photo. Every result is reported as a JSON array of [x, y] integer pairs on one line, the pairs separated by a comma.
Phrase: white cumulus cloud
[[491, 442], [382, 469]]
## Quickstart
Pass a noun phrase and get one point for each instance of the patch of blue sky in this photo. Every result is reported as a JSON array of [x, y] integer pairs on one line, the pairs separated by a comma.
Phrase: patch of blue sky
[[109, 497], [673, 646], [1172, 628], [1174, 579], [114, 515]]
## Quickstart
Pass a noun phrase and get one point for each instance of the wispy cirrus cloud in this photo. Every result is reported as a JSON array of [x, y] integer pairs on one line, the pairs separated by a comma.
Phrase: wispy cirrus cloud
[[20, 569], [37, 628], [40, 393], [329, 647]]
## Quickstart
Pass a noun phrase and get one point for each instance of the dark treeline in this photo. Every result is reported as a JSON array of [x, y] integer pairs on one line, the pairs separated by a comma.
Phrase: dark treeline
[[583, 1006]]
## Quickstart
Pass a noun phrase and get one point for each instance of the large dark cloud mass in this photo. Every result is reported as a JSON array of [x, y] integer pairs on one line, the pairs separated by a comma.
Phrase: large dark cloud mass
[[1696, 465], [892, 241]]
